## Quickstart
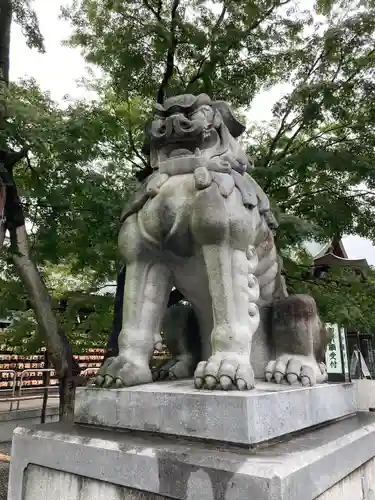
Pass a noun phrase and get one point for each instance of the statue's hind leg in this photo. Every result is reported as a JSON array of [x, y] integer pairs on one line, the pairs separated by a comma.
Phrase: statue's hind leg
[[299, 341], [147, 286], [181, 336]]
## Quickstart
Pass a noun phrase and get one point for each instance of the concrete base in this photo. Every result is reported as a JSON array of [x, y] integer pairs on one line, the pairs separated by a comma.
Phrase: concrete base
[[17, 418], [74, 462], [245, 418], [365, 393], [359, 485]]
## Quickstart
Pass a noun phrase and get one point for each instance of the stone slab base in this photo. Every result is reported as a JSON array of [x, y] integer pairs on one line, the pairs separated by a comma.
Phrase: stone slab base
[[16, 418], [365, 393], [74, 462], [359, 485], [245, 418]]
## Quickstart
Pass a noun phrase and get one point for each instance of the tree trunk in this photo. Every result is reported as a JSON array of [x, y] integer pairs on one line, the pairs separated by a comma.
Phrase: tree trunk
[[39, 298], [58, 347], [5, 25], [2, 213]]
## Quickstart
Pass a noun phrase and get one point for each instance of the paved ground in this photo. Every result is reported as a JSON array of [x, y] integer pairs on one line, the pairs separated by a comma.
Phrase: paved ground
[[30, 404], [4, 470]]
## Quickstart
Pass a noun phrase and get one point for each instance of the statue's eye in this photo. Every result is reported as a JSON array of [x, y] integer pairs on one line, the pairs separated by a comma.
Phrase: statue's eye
[[158, 124], [203, 112], [206, 109]]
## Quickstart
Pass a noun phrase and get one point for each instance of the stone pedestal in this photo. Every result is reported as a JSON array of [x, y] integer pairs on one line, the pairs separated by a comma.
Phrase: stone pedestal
[[365, 393], [168, 441], [245, 418]]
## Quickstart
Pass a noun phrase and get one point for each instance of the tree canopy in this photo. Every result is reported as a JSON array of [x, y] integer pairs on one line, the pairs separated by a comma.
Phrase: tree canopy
[[315, 158]]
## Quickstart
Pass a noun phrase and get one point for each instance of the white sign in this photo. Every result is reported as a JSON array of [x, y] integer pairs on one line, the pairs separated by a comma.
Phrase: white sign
[[344, 351], [333, 352]]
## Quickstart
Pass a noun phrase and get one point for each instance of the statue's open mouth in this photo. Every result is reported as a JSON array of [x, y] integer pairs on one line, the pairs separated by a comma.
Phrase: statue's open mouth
[[206, 144]]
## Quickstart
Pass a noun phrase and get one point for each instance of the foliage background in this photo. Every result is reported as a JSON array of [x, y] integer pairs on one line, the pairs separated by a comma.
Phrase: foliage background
[[315, 158]]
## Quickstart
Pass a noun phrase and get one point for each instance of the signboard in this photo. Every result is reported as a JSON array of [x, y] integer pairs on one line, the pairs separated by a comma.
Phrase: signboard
[[344, 353], [333, 352]]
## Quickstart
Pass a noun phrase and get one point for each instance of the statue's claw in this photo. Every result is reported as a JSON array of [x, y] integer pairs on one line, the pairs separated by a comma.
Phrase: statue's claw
[[224, 371], [176, 368], [99, 380], [120, 372], [119, 383], [295, 369], [108, 381]]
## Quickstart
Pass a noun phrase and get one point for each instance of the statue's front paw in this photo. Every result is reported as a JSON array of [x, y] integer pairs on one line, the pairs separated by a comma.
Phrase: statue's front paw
[[179, 367], [122, 372], [293, 368], [225, 371]]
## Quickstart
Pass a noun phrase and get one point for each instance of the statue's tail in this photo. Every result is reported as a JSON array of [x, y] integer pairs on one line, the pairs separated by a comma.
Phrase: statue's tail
[[271, 282]]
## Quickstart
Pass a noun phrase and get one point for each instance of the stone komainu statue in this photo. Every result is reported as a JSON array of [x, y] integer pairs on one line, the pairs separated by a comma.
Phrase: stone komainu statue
[[200, 223]]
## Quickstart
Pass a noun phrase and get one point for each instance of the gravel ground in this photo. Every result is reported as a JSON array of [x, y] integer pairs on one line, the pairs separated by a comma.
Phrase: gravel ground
[[4, 471]]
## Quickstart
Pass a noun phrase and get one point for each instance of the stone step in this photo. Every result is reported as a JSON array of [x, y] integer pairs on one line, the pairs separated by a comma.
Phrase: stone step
[[243, 418], [74, 462]]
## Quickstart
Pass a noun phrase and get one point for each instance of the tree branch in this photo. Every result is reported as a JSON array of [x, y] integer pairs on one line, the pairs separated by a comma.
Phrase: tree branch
[[338, 127], [160, 7], [299, 197], [358, 70], [131, 139], [180, 75], [339, 66], [292, 201], [157, 13], [10, 158], [288, 110], [169, 68], [262, 18], [251, 28], [313, 138], [205, 58], [134, 149], [291, 140], [279, 133], [259, 21]]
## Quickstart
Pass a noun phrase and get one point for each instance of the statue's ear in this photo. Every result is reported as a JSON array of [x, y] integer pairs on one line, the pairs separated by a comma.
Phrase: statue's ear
[[234, 126], [146, 148], [146, 143]]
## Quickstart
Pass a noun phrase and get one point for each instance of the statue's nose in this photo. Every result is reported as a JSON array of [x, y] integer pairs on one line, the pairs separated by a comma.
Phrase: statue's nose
[[176, 125], [183, 126]]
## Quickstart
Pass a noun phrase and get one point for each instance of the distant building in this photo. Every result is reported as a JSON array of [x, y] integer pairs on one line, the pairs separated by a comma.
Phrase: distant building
[[332, 254]]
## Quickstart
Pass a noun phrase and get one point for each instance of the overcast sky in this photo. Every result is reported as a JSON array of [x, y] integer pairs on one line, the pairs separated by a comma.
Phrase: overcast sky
[[58, 70]]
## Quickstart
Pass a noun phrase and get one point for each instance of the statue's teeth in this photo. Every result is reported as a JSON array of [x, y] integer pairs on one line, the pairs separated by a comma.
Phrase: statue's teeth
[[197, 152]]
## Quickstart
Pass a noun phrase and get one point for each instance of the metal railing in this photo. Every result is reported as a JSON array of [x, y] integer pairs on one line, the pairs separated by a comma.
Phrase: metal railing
[[30, 398], [16, 399], [14, 384], [13, 399], [86, 372]]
